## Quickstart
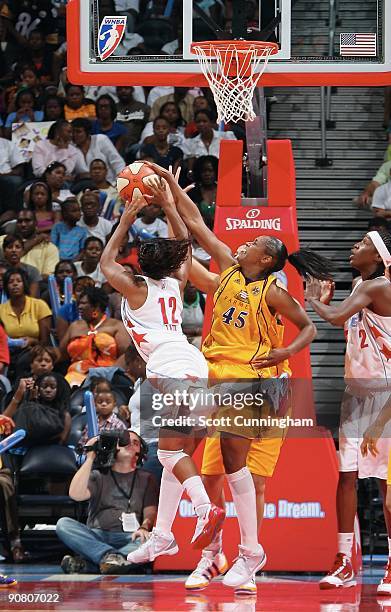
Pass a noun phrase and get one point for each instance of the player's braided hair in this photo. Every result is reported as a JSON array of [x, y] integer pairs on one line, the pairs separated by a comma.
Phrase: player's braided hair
[[160, 257], [307, 263]]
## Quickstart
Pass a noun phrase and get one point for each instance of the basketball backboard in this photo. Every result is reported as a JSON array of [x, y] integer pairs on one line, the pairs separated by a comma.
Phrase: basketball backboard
[[155, 47]]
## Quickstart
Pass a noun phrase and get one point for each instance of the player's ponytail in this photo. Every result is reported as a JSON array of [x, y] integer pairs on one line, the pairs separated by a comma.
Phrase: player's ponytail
[[307, 263]]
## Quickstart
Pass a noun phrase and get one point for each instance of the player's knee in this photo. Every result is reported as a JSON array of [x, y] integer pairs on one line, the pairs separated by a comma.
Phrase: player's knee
[[190, 446], [169, 459], [231, 464], [233, 461]]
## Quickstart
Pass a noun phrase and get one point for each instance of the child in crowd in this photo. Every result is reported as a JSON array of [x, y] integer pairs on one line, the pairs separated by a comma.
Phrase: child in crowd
[[105, 406], [40, 201], [24, 113], [98, 173], [75, 105], [99, 384], [159, 149], [150, 221], [69, 237], [89, 264], [134, 367], [91, 221]]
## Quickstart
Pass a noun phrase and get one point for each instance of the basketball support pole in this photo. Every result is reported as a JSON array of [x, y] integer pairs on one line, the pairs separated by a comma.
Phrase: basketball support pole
[[256, 131], [256, 137]]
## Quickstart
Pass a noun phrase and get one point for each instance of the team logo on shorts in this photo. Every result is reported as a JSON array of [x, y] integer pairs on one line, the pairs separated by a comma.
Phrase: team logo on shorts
[[110, 35]]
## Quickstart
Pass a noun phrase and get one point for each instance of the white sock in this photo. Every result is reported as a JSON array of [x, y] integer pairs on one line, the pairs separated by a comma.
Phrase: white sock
[[345, 543], [244, 497], [170, 495], [195, 489], [389, 547], [216, 545]]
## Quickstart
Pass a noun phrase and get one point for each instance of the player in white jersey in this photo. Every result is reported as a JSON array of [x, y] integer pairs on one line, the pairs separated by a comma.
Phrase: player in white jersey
[[151, 309], [366, 314]]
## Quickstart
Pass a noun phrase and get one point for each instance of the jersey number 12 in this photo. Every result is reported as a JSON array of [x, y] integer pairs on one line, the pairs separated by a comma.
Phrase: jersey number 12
[[165, 308]]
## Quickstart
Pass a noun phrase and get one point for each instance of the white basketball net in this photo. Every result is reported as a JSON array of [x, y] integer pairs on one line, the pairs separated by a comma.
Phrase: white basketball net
[[233, 94]]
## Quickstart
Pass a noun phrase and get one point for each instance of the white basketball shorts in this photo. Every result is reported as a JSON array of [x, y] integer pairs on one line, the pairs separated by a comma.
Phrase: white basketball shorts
[[358, 411]]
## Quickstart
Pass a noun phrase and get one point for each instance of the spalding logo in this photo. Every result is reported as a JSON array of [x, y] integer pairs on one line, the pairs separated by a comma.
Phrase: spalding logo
[[253, 213], [252, 222]]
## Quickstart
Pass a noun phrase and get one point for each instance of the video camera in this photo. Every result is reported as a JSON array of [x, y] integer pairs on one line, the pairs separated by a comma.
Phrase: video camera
[[106, 447]]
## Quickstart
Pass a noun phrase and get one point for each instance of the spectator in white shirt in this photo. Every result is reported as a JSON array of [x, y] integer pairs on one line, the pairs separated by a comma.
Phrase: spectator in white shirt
[[176, 137], [381, 201], [192, 315], [150, 222], [58, 147], [97, 146], [208, 140], [91, 221], [89, 264], [11, 172]]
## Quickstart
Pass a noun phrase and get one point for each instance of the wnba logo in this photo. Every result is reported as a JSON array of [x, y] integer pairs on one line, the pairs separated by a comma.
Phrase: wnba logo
[[110, 35]]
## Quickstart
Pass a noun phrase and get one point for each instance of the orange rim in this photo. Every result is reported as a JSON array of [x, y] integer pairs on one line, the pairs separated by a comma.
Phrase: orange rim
[[242, 46]]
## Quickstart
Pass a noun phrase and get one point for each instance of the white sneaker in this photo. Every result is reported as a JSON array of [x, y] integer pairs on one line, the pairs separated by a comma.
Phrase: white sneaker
[[244, 567], [158, 544], [209, 566], [208, 524], [248, 588]]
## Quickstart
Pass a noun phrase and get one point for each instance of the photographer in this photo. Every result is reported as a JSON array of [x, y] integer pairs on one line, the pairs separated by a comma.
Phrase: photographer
[[122, 508]]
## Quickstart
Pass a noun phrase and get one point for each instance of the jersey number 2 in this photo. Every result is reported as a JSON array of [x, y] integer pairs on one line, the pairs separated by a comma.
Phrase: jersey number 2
[[171, 306], [363, 335]]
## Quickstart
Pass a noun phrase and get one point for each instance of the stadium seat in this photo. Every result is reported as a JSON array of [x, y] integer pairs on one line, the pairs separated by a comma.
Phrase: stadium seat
[[40, 465]]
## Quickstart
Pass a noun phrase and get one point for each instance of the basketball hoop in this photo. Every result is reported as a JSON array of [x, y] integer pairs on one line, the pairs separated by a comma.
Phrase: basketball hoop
[[233, 69]]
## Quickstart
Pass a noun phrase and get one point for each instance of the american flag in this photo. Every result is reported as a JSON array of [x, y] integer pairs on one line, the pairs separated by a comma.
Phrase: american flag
[[358, 44]]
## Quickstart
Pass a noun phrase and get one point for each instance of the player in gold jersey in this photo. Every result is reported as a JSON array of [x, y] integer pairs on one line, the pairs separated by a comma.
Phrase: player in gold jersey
[[245, 342]]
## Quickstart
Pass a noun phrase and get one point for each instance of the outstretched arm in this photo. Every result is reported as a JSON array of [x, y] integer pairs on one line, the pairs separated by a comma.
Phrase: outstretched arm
[[362, 297], [118, 277], [163, 197], [190, 214], [200, 277]]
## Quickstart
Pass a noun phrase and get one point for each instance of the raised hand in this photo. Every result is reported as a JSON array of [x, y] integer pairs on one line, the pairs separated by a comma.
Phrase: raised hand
[[131, 210], [319, 290], [160, 171], [161, 193]]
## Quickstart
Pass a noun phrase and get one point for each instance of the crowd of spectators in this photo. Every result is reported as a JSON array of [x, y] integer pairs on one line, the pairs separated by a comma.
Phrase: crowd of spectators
[[58, 207]]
